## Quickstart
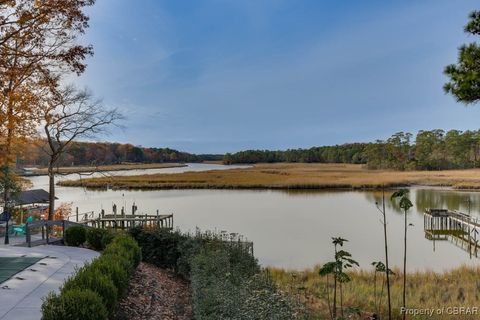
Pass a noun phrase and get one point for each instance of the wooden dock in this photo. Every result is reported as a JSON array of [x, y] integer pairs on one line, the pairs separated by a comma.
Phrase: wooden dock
[[53, 231], [122, 220], [129, 221], [457, 227]]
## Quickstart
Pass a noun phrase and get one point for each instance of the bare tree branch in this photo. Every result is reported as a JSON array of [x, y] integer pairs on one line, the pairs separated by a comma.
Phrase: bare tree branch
[[70, 114]]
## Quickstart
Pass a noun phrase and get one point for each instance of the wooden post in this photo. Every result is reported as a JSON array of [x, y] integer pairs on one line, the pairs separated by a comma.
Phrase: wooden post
[[76, 211], [476, 242], [27, 235], [102, 214], [158, 219], [46, 231], [123, 218], [63, 231]]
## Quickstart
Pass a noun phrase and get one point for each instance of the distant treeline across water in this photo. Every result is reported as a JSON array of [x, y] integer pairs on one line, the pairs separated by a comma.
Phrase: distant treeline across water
[[427, 150], [34, 153]]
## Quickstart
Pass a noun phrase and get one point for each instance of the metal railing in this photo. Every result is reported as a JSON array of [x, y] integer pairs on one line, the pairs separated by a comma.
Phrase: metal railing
[[46, 226]]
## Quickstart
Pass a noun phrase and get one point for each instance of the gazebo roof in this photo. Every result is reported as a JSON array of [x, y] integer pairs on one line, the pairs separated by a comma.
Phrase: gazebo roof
[[30, 197]]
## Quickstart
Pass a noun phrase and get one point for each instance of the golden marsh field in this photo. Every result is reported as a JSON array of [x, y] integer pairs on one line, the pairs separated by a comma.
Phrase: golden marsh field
[[288, 176]]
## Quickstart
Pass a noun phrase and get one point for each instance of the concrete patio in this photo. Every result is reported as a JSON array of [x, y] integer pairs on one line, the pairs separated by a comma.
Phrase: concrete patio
[[21, 296]]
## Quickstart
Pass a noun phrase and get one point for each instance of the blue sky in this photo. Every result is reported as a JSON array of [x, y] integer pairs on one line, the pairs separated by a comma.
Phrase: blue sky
[[225, 75]]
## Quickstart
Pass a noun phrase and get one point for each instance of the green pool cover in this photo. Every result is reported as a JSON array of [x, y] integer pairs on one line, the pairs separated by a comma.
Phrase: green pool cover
[[9, 266]]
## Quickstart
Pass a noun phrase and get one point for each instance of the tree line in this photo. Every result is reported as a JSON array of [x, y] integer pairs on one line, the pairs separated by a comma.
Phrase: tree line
[[430, 150], [103, 153]]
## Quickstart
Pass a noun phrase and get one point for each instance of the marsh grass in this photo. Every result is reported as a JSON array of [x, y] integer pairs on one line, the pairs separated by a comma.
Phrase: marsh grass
[[288, 176], [456, 288]]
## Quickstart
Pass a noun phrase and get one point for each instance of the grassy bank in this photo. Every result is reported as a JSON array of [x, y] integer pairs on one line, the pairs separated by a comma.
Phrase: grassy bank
[[457, 288], [289, 176], [113, 167]]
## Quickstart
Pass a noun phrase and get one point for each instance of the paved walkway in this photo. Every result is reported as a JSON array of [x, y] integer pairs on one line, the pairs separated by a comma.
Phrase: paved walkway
[[21, 296]]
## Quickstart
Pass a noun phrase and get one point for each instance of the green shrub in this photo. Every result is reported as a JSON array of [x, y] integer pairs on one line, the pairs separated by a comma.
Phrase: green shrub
[[224, 287], [113, 267], [75, 236], [262, 300], [124, 261], [159, 247], [91, 278], [227, 283], [98, 284], [118, 251], [108, 237], [189, 248], [130, 245], [74, 304], [225, 278], [98, 239]]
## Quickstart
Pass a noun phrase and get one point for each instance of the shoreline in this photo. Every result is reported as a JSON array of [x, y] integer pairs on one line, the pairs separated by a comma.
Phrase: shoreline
[[104, 168]]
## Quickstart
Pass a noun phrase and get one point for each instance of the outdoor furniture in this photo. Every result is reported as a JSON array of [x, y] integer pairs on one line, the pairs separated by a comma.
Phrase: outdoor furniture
[[22, 229]]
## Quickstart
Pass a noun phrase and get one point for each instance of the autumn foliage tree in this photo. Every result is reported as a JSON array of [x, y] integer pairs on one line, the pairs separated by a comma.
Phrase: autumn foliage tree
[[38, 46]]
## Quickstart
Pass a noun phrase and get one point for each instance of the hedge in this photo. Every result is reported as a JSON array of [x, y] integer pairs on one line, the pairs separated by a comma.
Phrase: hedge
[[226, 280], [98, 239], [75, 236], [97, 286], [74, 304]]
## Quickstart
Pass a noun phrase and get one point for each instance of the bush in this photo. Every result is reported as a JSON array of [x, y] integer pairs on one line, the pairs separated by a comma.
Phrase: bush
[[159, 247], [92, 279], [108, 238], [189, 248], [130, 245], [225, 278], [74, 304], [75, 236], [98, 239], [99, 283], [114, 268], [224, 287]]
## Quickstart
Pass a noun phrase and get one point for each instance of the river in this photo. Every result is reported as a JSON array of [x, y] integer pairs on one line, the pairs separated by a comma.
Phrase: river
[[293, 229]]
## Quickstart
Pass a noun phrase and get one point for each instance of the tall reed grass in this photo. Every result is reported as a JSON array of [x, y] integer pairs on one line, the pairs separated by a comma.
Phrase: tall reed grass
[[425, 290]]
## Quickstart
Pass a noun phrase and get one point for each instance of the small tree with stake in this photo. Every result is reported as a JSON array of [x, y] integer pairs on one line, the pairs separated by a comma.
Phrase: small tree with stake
[[405, 204], [380, 268], [337, 268], [385, 239]]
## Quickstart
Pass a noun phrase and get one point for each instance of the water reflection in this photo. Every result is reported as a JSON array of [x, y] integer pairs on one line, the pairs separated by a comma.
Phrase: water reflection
[[447, 199], [454, 226], [464, 237], [437, 198]]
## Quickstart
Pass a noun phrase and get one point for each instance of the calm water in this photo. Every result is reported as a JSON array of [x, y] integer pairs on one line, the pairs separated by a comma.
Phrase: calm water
[[293, 229]]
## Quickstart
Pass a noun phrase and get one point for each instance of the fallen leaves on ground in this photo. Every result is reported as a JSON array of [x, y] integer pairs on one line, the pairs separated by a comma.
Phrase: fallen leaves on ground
[[156, 293]]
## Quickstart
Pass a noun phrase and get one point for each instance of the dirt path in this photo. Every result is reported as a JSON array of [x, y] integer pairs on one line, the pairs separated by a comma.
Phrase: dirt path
[[156, 293]]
